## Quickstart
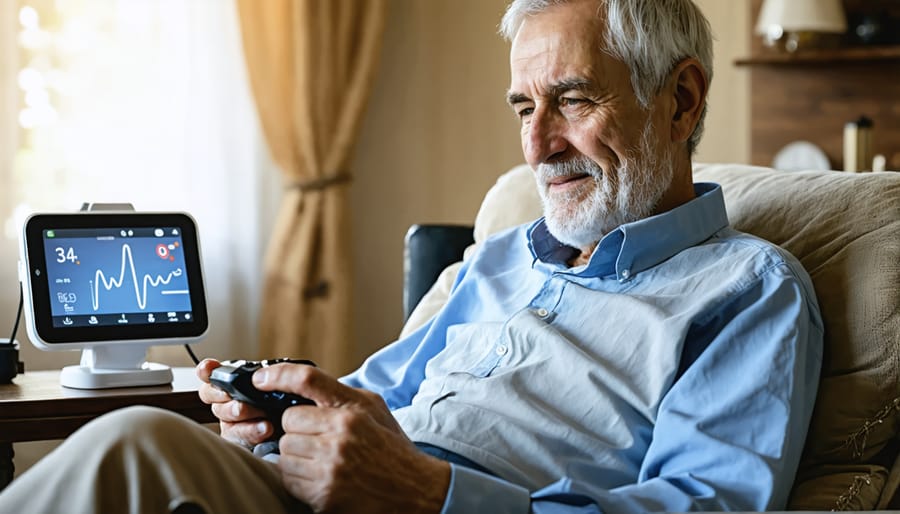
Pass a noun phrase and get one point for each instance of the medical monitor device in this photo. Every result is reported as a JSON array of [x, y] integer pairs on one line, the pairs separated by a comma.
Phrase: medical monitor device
[[112, 284]]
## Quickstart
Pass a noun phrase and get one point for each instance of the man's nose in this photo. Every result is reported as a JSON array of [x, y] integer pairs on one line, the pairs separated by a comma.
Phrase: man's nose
[[543, 138]]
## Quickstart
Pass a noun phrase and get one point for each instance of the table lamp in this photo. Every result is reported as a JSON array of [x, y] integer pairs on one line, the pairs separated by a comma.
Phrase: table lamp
[[799, 23]]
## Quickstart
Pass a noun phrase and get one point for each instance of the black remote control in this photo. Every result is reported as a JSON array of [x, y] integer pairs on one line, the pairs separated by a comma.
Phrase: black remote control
[[234, 377]]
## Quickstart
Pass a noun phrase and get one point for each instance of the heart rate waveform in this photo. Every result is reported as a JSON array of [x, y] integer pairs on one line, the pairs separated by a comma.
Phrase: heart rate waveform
[[140, 289]]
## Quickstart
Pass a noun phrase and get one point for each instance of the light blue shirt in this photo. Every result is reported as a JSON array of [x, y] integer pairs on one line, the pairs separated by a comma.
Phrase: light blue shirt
[[675, 371]]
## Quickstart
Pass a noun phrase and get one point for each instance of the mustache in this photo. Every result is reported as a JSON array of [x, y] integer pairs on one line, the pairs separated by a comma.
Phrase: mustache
[[580, 165]]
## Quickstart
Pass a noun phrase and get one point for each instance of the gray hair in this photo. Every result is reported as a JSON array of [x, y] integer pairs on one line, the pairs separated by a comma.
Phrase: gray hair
[[649, 36]]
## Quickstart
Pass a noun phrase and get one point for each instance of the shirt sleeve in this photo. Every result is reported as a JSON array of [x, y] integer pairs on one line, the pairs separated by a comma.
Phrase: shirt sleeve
[[728, 435], [473, 491]]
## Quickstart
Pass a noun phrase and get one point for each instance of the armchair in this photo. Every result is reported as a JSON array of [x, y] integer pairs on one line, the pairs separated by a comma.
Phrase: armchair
[[845, 229], [427, 250]]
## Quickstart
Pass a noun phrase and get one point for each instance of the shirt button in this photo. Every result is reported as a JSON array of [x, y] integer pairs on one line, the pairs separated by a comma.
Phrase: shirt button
[[625, 274], [542, 312], [501, 350]]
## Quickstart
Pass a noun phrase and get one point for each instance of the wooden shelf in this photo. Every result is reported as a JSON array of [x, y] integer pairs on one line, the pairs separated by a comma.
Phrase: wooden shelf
[[810, 95], [831, 56]]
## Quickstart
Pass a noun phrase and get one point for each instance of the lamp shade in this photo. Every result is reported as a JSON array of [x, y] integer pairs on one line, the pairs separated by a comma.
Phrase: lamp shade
[[801, 16]]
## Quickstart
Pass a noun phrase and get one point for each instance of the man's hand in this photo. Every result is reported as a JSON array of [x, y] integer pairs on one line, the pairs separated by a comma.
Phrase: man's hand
[[238, 422], [347, 453]]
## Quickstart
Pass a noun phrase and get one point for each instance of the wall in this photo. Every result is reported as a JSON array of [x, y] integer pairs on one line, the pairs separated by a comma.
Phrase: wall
[[727, 136], [438, 133]]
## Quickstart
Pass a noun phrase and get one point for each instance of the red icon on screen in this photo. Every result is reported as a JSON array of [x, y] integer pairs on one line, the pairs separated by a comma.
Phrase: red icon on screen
[[164, 251]]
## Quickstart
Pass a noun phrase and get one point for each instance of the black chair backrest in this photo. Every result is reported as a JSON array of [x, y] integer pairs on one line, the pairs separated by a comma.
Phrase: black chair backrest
[[428, 250]]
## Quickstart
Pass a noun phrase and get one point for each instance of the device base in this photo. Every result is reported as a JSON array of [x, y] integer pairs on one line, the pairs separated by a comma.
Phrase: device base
[[106, 366], [82, 377]]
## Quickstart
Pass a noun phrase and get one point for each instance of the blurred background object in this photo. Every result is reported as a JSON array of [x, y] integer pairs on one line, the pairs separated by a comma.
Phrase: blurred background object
[[792, 25], [858, 145]]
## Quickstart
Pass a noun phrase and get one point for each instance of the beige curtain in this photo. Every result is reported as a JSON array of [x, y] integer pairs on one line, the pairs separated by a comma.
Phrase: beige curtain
[[311, 64]]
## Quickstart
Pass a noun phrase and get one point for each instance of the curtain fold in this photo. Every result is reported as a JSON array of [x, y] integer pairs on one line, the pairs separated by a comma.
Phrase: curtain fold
[[311, 65]]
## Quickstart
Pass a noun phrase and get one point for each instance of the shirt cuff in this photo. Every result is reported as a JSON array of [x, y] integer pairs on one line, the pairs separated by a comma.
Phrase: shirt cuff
[[474, 491]]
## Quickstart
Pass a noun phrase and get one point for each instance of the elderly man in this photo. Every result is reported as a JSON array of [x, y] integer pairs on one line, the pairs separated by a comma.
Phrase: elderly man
[[627, 352]]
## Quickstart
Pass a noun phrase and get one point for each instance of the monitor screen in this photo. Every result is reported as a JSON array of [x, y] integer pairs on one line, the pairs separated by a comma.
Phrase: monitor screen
[[109, 276], [96, 277]]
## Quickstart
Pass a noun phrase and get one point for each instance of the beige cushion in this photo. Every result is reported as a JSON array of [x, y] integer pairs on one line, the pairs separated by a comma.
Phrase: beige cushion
[[433, 300], [513, 200], [845, 229]]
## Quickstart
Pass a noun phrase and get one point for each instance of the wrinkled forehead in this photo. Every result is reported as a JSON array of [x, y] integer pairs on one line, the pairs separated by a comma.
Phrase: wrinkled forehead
[[567, 35], [564, 44]]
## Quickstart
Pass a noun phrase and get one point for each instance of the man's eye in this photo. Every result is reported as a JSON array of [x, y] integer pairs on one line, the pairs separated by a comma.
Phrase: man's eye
[[571, 102], [524, 112]]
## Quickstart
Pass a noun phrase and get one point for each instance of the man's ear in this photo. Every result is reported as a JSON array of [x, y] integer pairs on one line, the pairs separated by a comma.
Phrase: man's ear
[[689, 85]]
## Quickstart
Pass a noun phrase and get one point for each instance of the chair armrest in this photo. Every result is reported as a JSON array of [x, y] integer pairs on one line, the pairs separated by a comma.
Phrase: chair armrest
[[428, 249]]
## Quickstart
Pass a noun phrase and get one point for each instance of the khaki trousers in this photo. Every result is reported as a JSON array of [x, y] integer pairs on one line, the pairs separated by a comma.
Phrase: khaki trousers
[[147, 460]]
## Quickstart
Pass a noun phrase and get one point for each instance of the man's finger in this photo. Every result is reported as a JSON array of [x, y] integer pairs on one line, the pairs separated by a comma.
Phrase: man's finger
[[311, 420], [307, 381], [305, 447], [205, 368], [212, 394], [236, 411], [246, 433], [300, 467], [306, 489]]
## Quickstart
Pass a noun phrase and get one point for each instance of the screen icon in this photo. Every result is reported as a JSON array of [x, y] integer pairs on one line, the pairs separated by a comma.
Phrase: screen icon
[[93, 320], [67, 321]]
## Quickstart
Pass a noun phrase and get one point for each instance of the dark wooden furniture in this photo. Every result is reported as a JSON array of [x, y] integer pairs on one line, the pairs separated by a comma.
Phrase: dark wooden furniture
[[810, 95], [36, 408]]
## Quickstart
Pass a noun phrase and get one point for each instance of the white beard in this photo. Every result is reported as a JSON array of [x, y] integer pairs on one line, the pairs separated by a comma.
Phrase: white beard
[[581, 217]]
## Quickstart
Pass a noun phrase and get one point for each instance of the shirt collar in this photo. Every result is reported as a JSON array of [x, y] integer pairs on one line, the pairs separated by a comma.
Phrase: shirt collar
[[637, 246]]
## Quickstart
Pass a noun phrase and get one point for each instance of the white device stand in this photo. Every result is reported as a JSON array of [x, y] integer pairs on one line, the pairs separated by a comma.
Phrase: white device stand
[[116, 364]]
